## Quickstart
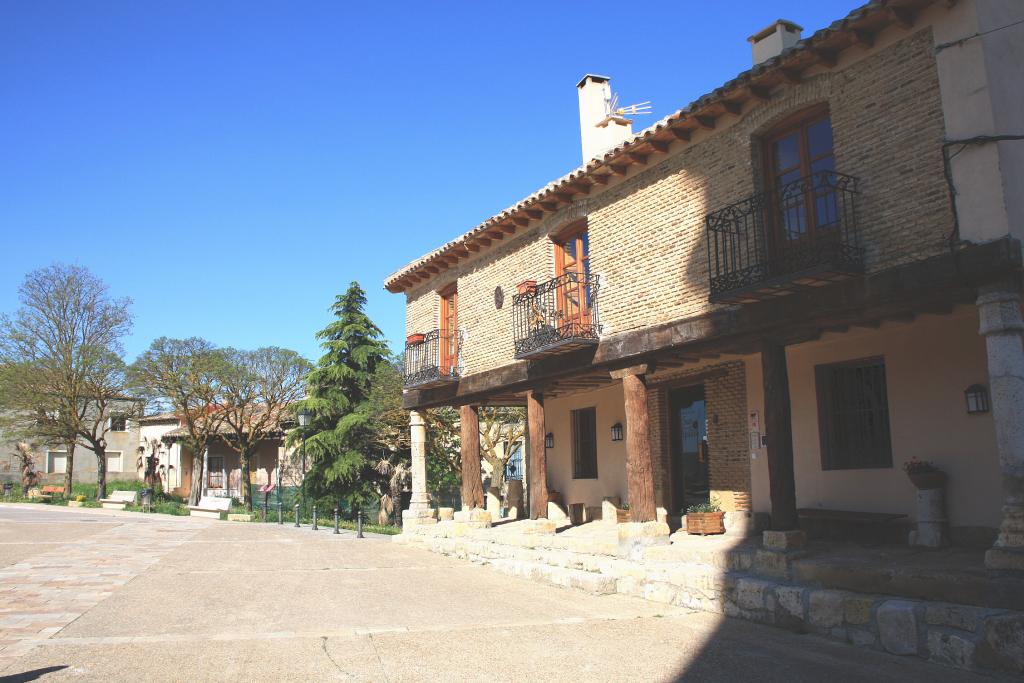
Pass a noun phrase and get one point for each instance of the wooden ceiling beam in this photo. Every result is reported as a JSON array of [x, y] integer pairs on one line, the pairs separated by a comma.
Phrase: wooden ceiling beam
[[791, 76], [520, 221], [706, 121], [599, 179], [734, 108], [827, 57], [759, 92], [534, 213], [618, 169], [863, 38], [680, 134], [902, 17], [660, 146], [549, 206], [638, 158]]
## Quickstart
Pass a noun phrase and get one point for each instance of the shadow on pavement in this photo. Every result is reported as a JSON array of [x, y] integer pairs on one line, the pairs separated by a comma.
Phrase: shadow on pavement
[[32, 675]]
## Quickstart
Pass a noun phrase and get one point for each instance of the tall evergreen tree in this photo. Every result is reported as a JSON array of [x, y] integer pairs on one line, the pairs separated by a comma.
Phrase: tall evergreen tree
[[340, 439]]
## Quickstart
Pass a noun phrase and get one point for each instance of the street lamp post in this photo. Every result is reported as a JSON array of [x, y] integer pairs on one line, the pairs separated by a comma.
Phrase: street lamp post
[[305, 418]]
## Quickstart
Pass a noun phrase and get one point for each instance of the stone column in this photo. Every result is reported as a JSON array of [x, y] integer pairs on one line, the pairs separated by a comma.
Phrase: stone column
[[419, 505], [1002, 327], [779, 431], [639, 466], [538, 470], [469, 452]]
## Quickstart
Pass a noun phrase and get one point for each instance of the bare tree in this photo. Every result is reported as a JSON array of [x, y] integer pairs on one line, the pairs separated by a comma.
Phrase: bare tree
[[149, 462], [257, 388], [184, 374], [501, 428], [26, 466], [60, 360]]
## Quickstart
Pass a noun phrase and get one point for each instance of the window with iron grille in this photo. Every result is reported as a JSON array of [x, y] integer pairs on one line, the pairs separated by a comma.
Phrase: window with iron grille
[[584, 443], [853, 415]]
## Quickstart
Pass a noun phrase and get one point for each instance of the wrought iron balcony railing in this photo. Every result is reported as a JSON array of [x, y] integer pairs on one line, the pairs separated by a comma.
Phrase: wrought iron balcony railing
[[556, 316], [803, 233], [434, 360]]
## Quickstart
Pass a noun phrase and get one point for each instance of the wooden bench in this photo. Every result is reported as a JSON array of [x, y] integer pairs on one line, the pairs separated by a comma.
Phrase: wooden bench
[[853, 525], [118, 499], [53, 490], [210, 506]]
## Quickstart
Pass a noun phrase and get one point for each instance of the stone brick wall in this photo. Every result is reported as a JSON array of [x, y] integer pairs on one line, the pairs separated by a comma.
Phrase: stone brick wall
[[725, 395], [646, 231]]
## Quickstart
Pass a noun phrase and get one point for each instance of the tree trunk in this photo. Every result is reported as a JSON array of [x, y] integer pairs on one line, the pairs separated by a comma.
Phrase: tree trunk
[[69, 468], [196, 488], [101, 472], [244, 490], [396, 501]]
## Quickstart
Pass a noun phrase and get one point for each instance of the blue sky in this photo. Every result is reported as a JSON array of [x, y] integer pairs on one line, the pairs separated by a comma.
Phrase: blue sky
[[231, 166]]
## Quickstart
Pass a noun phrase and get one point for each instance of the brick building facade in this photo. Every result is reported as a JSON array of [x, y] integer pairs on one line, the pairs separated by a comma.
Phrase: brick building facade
[[780, 285]]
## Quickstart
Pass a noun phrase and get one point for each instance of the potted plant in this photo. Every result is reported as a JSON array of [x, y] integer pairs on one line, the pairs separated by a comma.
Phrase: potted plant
[[924, 475], [527, 287], [415, 338], [705, 518], [77, 502]]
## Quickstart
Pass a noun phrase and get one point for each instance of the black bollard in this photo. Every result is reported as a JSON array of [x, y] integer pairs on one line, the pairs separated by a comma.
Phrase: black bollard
[[280, 513], [314, 518], [336, 521], [297, 515], [359, 524]]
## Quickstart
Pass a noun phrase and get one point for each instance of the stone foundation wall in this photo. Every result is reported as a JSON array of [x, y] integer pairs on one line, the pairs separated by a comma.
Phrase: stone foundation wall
[[752, 583]]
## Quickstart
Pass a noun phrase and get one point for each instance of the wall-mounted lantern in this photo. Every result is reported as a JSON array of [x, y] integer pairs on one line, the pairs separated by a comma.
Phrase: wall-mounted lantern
[[549, 440], [976, 396], [617, 431]]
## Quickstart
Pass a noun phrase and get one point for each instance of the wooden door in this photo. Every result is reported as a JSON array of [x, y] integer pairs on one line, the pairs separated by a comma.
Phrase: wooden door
[[800, 163], [572, 261], [449, 333]]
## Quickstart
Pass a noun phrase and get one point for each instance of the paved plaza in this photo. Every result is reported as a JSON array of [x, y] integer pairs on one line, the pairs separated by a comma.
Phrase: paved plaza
[[98, 595]]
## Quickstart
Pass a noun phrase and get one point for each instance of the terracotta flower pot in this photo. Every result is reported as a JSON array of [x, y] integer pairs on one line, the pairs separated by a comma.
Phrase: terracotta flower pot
[[928, 479], [705, 523], [413, 339], [527, 287]]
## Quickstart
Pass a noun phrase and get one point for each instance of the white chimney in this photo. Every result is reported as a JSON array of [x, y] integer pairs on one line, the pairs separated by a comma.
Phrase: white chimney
[[772, 40], [600, 128]]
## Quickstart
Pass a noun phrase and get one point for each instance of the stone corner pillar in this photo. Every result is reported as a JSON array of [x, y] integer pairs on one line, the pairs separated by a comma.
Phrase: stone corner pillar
[[1001, 325], [419, 503], [639, 464]]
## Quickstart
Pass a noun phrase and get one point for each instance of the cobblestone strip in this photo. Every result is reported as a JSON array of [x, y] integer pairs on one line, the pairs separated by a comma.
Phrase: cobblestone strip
[[43, 594]]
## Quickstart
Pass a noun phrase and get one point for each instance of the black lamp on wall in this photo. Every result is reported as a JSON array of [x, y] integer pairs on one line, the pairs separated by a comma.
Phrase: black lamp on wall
[[617, 431], [549, 440], [976, 396]]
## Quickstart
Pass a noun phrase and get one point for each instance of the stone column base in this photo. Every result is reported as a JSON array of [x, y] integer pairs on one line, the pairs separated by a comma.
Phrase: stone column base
[[784, 540], [635, 536], [477, 518], [1005, 558], [418, 517]]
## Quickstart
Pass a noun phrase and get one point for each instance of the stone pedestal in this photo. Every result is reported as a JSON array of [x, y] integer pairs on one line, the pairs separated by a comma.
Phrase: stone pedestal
[[635, 536], [476, 518], [932, 526], [446, 514], [784, 540], [418, 517], [419, 502], [1001, 325]]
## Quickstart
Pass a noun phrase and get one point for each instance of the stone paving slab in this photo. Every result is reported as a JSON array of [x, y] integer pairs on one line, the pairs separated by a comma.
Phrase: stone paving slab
[[43, 593]]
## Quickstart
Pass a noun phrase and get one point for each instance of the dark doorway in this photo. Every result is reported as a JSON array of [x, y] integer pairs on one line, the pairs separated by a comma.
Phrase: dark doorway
[[689, 448]]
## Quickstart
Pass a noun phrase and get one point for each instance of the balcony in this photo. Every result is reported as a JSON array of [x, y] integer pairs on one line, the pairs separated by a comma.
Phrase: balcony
[[803, 234], [432, 361], [556, 316]]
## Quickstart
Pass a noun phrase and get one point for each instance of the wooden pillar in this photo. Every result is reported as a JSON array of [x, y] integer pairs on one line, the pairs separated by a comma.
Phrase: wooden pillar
[[472, 487], [538, 456], [778, 427], [639, 467]]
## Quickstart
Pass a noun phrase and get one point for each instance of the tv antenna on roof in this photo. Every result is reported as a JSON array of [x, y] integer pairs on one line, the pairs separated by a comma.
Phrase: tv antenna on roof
[[629, 110]]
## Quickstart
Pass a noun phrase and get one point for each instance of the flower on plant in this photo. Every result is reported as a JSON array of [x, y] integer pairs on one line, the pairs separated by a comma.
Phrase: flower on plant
[[711, 506]]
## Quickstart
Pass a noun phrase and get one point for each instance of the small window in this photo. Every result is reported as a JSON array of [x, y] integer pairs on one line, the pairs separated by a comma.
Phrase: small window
[[584, 443], [215, 472], [114, 461], [56, 462], [853, 415], [118, 423]]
